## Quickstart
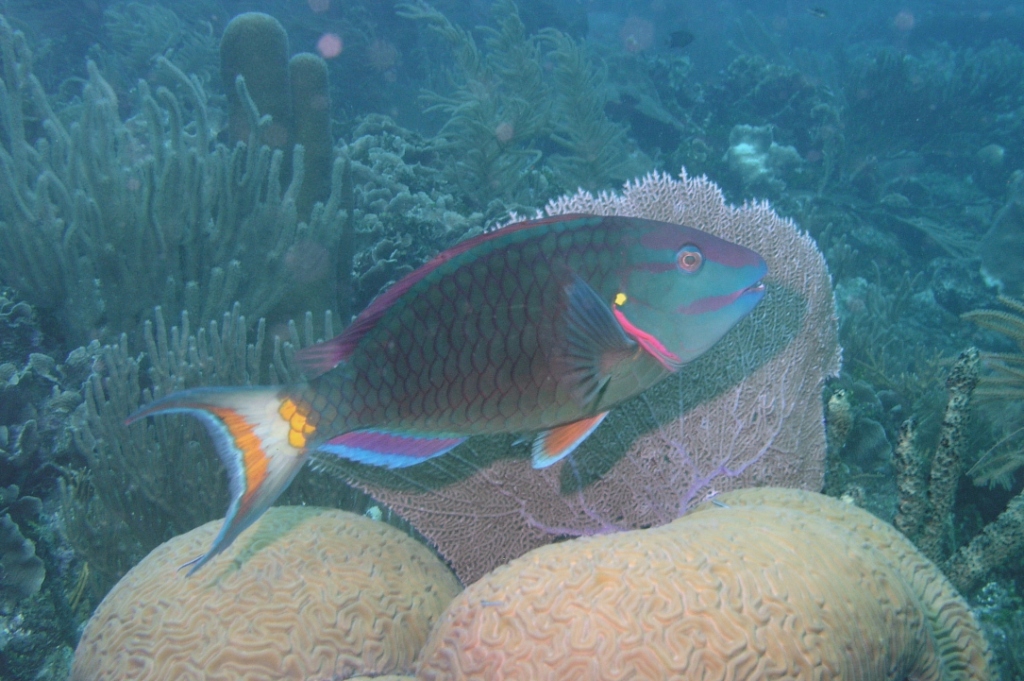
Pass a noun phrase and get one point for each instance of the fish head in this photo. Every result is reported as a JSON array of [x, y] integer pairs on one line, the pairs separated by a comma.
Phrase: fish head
[[683, 289]]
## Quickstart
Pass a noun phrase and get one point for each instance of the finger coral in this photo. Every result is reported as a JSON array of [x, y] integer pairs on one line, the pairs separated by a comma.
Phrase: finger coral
[[761, 584], [307, 593]]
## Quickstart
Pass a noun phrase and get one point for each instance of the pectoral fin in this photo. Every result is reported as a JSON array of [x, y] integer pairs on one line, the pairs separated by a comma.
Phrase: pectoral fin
[[594, 343], [559, 442]]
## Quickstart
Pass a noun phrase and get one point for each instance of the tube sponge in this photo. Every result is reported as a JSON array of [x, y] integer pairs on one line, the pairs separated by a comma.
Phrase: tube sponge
[[764, 583], [311, 106], [255, 46], [306, 593]]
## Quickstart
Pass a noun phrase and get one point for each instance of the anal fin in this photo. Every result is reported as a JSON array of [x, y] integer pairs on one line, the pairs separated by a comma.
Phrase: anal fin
[[379, 447], [559, 442]]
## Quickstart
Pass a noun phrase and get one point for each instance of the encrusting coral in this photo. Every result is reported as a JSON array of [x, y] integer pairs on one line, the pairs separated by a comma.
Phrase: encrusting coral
[[749, 412], [306, 593], [763, 583], [21, 571]]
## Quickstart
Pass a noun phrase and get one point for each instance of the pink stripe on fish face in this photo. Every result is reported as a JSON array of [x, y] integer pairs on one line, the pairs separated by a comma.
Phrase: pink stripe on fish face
[[712, 303], [649, 342]]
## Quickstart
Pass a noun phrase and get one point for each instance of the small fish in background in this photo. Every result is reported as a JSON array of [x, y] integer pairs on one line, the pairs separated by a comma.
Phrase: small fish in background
[[540, 327], [679, 39], [819, 12]]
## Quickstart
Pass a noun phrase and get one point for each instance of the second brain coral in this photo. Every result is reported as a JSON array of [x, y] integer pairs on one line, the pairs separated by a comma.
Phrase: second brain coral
[[767, 583]]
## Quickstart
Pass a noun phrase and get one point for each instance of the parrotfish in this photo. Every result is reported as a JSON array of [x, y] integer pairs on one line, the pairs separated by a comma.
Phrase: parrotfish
[[538, 328]]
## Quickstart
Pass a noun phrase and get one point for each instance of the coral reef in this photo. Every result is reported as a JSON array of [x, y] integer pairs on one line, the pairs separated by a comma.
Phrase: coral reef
[[1000, 611], [305, 593], [748, 412], [117, 196], [1003, 239], [133, 492], [500, 108], [132, 495], [758, 160], [102, 220], [757, 584], [596, 152], [932, 100], [21, 570], [403, 211], [135, 33], [36, 397], [997, 548], [139, 30], [37, 568], [515, 98], [927, 484], [1002, 383]]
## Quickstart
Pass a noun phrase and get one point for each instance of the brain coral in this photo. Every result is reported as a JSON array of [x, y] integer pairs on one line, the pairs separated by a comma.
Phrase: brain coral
[[306, 593], [762, 584]]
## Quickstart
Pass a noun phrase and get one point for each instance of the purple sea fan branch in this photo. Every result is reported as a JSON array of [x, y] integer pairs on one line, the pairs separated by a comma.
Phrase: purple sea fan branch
[[748, 412]]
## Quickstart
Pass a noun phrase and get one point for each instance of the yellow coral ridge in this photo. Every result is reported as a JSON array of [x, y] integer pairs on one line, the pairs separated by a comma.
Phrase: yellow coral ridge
[[300, 428]]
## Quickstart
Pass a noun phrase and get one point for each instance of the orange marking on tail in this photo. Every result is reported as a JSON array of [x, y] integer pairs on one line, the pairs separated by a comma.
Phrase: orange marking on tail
[[254, 459]]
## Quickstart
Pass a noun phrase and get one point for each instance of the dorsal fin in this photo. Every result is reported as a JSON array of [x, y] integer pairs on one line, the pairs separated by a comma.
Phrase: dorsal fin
[[322, 357]]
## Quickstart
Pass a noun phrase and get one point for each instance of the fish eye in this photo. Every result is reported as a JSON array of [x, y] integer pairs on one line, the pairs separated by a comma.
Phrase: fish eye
[[689, 258]]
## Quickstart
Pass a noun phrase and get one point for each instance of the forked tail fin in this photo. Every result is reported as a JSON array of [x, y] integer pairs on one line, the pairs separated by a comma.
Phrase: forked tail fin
[[258, 436]]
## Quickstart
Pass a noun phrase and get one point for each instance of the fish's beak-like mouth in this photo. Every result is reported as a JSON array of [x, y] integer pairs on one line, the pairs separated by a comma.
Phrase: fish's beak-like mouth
[[757, 288]]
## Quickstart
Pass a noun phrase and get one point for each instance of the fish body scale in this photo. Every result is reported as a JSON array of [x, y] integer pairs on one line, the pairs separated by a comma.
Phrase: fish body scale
[[464, 351]]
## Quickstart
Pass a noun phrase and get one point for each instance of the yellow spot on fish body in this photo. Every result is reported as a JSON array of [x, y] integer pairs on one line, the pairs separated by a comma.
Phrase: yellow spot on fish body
[[620, 298], [287, 409], [298, 428]]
